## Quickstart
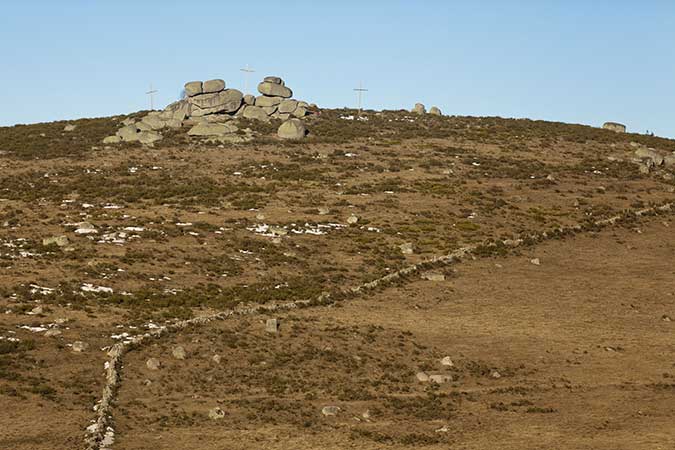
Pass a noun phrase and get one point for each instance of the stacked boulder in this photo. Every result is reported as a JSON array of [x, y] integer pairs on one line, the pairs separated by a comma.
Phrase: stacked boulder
[[274, 102], [206, 105]]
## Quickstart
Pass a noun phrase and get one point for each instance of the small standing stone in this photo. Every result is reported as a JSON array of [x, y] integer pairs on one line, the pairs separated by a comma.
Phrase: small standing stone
[[419, 109], [178, 352], [331, 411], [153, 364], [407, 248], [216, 413], [440, 378], [422, 377], [272, 325], [433, 276], [79, 346], [447, 362]]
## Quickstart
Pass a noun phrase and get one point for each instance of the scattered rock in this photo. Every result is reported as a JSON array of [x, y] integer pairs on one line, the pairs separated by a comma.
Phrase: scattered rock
[[330, 411], [153, 364], [85, 228], [37, 310], [70, 127], [217, 358], [112, 139], [407, 248], [432, 276], [447, 362], [323, 211], [495, 374], [79, 346], [272, 325], [216, 413], [178, 352], [292, 129], [59, 241], [435, 111], [149, 137], [535, 261], [440, 378], [422, 377], [419, 109], [53, 332], [351, 220]]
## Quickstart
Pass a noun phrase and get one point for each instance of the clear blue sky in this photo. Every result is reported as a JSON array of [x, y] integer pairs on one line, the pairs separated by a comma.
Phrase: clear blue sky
[[567, 60]]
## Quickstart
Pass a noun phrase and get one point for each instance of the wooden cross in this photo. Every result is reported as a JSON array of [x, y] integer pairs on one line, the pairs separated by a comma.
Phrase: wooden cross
[[360, 90], [152, 93], [246, 71]]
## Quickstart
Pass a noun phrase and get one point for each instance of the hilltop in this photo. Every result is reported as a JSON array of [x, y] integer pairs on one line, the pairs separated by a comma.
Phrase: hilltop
[[555, 324]]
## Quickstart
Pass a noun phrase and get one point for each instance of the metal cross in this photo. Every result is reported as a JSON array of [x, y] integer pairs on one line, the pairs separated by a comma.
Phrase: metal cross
[[152, 93], [246, 71], [360, 90]]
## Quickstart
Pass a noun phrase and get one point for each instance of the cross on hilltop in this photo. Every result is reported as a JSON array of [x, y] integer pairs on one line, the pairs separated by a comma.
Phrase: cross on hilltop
[[152, 93], [360, 90]]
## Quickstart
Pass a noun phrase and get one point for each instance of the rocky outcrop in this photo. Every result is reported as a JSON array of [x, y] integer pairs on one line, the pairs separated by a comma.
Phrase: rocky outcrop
[[435, 111], [614, 126], [212, 101]]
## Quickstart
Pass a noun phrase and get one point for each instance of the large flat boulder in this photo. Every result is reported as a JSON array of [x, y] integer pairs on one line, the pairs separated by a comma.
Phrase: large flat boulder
[[256, 112], [275, 80], [177, 110], [274, 90], [292, 129], [212, 86], [128, 133], [193, 88], [263, 101], [288, 106], [149, 137], [212, 129], [227, 101]]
